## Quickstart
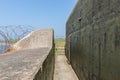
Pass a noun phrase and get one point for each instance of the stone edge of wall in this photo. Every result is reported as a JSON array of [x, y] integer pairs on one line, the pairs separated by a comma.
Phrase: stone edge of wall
[[46, 70]]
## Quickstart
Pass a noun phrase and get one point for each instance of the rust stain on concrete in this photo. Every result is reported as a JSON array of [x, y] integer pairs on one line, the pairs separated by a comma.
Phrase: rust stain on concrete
[[9, 50]]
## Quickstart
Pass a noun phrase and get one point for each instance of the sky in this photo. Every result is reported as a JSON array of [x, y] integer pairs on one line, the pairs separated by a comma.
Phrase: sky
[[37, 13]]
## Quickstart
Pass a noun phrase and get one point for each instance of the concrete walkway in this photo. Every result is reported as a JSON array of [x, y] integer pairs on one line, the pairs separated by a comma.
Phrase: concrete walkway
[[63, 71]]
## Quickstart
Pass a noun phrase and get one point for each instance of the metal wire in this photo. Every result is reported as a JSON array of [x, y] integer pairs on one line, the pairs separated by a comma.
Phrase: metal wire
[[10, 34]]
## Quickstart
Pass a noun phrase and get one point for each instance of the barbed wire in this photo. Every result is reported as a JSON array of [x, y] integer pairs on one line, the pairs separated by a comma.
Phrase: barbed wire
[[10, 34]]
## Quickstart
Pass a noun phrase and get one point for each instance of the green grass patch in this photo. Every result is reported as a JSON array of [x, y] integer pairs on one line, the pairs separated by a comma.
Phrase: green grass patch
[[59, 42], [11, 40]]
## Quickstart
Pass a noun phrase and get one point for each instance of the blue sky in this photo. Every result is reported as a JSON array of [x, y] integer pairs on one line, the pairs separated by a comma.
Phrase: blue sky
[[37, 13]]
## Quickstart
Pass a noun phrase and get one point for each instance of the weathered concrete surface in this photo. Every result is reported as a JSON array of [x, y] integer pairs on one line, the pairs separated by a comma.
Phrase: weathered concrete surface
[[93, 39], [63, 70], [31, 60], [21, 65], [36, 39]]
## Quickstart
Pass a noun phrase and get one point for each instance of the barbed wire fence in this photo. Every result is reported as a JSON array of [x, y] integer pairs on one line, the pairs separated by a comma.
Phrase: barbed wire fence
[[11, 34]]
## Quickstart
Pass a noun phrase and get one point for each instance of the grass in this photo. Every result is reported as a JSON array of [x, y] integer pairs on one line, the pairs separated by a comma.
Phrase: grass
[[59, 42], [11, 40]]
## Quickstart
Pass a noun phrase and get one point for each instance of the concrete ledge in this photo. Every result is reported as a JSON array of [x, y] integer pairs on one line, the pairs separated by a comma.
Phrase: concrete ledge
[[46, 72], [30, 62]]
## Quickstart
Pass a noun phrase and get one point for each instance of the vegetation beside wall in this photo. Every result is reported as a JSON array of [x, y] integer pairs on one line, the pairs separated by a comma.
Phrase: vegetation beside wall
[[60, 42]]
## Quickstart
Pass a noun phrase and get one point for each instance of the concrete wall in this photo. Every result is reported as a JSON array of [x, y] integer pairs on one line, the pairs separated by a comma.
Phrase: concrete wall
[[36, 39], [93, 39], [31, 58], [46, 72]]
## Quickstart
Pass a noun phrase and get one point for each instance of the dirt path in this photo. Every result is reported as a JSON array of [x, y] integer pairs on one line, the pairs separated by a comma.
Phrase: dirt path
[[63, 71]]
